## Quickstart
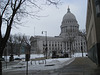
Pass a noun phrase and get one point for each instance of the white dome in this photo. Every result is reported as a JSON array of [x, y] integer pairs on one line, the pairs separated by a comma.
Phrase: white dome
[[69, 24], [69, 15]]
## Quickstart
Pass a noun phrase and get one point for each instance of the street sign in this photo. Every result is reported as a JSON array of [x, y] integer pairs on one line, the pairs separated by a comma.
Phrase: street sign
[[27, 58]]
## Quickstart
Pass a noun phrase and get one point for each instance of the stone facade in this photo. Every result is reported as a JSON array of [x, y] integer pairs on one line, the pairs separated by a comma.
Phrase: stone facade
[[68, 41], [93, 30]]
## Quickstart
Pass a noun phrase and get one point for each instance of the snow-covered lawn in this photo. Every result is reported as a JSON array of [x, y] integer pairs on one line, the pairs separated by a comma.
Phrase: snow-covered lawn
[[22, 56], [79, 55], [40, 65], [33, 56]]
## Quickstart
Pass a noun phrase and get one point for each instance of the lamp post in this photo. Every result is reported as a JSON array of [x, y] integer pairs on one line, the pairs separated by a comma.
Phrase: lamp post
[[46, 43]]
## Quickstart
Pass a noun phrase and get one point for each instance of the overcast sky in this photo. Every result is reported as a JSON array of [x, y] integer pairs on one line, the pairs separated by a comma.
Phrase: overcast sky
[[53, 18]]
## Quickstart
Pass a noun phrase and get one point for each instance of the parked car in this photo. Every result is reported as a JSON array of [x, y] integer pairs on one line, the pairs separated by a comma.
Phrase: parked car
[[2, 59], [17, 59]]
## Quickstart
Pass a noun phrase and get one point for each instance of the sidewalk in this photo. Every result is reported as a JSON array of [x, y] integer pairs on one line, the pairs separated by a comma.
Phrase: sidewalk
[[80, 66]]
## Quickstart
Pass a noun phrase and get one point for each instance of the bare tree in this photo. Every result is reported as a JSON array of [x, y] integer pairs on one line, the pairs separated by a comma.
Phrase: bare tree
[[82, 33], [70, 40], [16, 43], [19, 41], [26, 40], [11, 44], [11, 12]]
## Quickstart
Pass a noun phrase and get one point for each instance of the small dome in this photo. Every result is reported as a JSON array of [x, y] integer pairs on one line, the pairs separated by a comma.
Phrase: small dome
[[69, 15]]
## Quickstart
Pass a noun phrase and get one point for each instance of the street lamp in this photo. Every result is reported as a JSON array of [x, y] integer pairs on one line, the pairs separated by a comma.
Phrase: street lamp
[[46, 42]]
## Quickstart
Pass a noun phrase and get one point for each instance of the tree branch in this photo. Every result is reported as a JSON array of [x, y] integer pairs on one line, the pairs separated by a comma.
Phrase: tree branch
[[23, 1], [12, 5], [34, 4], [15, 4], [5, 7], [11, 20], [6, 20], [54, 2], [0, 26]]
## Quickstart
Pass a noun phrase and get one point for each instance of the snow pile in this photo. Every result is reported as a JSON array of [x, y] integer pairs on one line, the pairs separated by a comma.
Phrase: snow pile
[[79, 55]]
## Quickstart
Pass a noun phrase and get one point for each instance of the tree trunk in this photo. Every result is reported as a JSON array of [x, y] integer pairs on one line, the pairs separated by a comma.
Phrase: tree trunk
[[3, 42], [11, 56], [70, 49], [82, 50], [82, 53], [0, 66], [1, 53]]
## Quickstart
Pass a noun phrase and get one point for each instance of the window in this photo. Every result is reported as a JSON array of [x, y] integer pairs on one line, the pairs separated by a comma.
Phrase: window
[[98, 10], [97, 3]]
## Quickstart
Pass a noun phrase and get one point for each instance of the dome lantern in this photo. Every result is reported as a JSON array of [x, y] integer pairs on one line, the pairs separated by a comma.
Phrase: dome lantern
[[68, 10], [69, 15]]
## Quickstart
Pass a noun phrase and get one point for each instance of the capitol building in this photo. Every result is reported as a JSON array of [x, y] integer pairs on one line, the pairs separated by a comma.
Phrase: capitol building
[[68, 41]]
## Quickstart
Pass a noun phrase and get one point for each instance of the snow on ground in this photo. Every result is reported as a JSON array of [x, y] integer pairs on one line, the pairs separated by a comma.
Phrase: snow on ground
[[79, 55], [32, 56], [22, 56], [40, 65]]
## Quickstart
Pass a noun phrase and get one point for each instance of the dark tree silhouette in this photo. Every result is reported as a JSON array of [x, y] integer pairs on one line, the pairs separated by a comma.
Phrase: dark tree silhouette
[[82, 33], [11, 44], [11, 12]]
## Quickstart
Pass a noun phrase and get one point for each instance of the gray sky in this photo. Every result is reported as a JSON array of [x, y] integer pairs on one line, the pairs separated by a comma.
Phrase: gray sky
[[53, 18]]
